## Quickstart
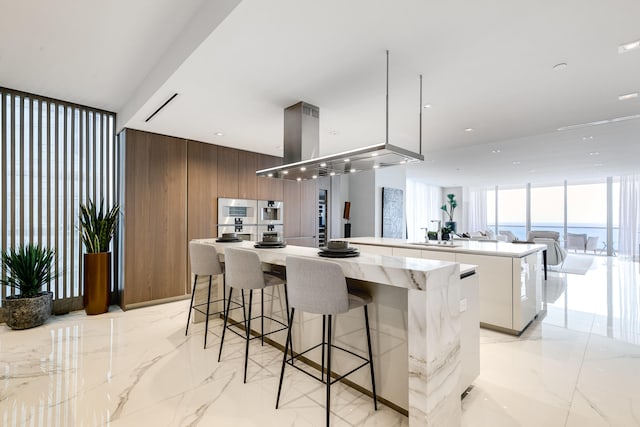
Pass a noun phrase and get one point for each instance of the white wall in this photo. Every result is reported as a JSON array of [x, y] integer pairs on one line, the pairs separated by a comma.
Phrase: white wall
[[365, 192]]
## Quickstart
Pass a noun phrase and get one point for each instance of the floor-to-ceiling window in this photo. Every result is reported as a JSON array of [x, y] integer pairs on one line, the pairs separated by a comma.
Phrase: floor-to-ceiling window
[[512, 211], [547, 208], [54, 155]]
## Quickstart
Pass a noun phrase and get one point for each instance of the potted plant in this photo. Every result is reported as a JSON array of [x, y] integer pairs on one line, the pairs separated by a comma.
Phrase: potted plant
[[97, 227], [27, 268], [451, 201]]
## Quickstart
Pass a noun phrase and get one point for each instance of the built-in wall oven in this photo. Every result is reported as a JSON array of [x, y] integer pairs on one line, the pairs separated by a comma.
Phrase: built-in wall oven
[[237, 212], [238, 216], [270, 218]]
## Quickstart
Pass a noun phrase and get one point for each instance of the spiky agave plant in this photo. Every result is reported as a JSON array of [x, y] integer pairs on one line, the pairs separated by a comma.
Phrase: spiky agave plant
[[28, 268], [97, 226]]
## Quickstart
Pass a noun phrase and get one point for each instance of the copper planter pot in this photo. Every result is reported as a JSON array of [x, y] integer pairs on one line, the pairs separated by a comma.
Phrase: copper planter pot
[[97, 282]]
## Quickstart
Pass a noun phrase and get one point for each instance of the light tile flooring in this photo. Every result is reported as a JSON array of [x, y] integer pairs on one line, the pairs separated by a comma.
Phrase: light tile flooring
[[578, 365]]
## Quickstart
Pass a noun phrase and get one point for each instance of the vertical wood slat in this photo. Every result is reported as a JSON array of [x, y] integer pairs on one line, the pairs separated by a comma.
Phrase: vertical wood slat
[[93, 164], [4, 201], [31, 164], [72, 142], [12, 195], [21, 168], [39, 150]]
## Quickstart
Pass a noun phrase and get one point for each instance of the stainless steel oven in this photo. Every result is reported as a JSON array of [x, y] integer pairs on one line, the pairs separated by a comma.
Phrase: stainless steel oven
[[244, 232], [270, 212], [237, 212], [270, 230]]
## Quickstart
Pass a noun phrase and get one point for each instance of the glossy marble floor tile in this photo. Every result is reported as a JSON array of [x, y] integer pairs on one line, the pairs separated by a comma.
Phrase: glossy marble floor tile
[[577, 365]]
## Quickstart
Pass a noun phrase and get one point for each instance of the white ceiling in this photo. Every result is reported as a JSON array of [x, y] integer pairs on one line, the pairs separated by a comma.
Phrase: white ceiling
[[487, 65]]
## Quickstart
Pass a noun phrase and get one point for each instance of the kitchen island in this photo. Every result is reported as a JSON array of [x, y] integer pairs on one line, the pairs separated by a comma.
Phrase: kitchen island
[[510, 274], [416, 312]]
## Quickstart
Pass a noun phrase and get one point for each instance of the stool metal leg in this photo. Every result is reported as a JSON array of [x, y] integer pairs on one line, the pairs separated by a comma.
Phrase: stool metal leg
[[262, 316], [328, 404], [224, 327], [289, 317], [193, 293], [324, 322], [206, 320], [248, 327], [284, 357], [373, 380]]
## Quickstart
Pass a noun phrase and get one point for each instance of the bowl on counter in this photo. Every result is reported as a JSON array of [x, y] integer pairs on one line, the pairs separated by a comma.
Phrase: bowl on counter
[[337, 244]]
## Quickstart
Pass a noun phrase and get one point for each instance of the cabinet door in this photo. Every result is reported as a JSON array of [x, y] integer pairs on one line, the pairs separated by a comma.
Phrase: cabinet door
[[291, 208], [247, 180], [269, 188], [202, 190], [496, 288], [309, 209], [439, 255], [405, 252], [227, 172]]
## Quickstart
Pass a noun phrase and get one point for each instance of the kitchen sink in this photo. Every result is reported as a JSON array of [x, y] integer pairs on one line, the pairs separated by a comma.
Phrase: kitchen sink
[[437, 243]]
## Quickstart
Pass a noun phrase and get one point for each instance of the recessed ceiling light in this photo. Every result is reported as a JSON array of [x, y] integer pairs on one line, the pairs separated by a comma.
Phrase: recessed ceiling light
[[560, 66], [628, 46], [426, 106], [587, 138], [600, 122], [298, 179], [374, 154], [269, 175], [594, 153], [515, 163], [352, 170], [314, 176], [496, 151], [302, 169], [376, 166], [219, 134], [347, 160], [332, 174], [403, 162], [323, 165], [628, 96], [468, 130], [285, 172]]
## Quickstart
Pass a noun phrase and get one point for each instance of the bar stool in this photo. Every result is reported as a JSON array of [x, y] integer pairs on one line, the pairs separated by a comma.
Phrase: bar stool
[[204, 262], [243, 271], [320, 287]]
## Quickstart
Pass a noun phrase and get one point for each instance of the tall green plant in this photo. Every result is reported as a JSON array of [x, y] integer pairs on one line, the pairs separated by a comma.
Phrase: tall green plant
[[452, 205], [97, 226], [28, 268]]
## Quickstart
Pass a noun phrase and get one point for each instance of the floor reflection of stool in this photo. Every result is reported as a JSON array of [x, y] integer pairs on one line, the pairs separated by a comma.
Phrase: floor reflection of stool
[[319, 287]]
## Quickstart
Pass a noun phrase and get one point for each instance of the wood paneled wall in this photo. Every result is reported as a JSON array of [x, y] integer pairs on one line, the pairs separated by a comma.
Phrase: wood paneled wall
[[172, 187], [155, 220]]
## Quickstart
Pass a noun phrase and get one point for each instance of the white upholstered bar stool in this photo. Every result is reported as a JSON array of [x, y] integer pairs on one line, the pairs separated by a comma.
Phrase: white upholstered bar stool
[[319, 287], [243, 271], [204, 262]]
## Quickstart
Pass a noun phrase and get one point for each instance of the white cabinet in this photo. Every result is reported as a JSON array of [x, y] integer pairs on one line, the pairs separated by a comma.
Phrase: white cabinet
[[439, 255], [370, 249], [405, 252], [469, 330], [527, 289], [495, 288]]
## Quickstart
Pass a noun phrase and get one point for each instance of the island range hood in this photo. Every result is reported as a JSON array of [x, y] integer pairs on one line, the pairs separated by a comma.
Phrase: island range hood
[[301, 142]]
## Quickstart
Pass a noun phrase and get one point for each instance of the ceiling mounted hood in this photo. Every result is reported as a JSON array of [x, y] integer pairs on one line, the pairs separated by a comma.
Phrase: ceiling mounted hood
[[301, 141]]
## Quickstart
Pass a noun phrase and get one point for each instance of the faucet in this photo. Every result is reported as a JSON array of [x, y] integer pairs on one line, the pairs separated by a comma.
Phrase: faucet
[[439, 228]]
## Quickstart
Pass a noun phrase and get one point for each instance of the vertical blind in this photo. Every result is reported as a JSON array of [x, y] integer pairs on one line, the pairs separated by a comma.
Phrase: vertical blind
[[54, 156]]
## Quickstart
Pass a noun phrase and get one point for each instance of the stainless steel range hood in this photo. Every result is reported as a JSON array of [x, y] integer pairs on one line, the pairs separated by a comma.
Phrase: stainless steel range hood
[[301, 142]]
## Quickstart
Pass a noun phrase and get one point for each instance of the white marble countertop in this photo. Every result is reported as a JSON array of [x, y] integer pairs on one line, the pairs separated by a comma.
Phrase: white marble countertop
[[477, 247], [409, 273]]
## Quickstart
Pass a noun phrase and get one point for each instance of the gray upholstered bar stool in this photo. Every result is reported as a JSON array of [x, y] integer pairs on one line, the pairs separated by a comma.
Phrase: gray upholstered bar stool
[[204, 262], [243, 271], [319, 287]]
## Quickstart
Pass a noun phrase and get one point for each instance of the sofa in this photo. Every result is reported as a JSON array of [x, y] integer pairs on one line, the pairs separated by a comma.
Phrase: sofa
[[555, 253]]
